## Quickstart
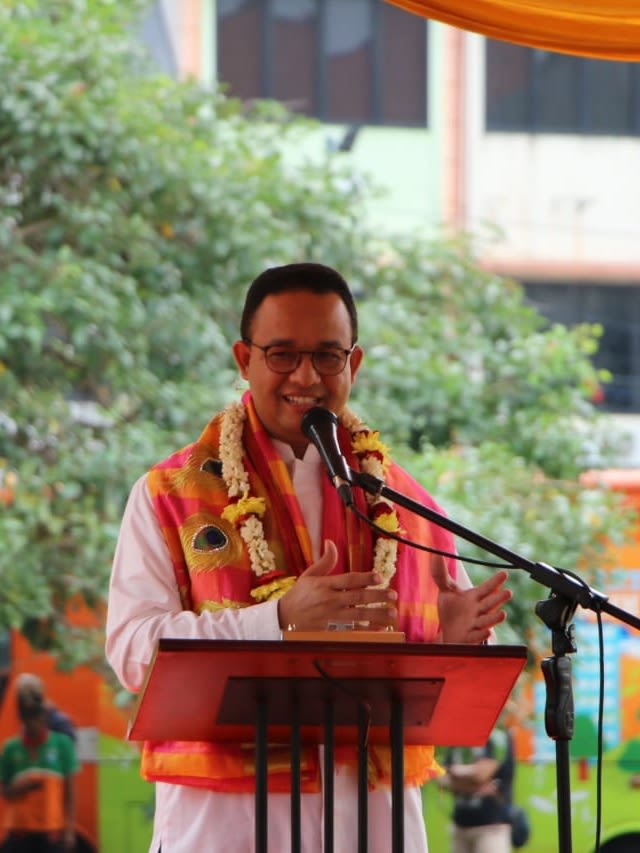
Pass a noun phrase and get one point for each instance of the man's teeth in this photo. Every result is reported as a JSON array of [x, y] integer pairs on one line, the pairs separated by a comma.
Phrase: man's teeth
[[302, 401]]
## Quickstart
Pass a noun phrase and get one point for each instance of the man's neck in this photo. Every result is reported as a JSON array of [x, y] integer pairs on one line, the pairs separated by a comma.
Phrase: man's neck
[[298, 450]]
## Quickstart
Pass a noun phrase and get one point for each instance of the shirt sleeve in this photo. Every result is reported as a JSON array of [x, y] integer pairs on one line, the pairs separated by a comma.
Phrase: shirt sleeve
[[462, 576], [144, 603], [69, 754]]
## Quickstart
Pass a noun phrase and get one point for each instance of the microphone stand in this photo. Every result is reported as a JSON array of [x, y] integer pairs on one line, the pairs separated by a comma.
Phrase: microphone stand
[[556, 612]]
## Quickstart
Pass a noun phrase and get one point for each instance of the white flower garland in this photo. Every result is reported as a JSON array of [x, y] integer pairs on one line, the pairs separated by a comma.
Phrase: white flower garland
[[374, 460], [246, 511]]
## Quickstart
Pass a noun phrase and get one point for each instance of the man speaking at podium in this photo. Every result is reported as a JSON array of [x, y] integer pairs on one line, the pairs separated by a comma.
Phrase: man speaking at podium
[[241, 535]]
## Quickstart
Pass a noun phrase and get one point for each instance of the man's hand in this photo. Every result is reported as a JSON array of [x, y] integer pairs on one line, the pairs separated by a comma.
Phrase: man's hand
[[69, 838], [22, 785], [318, 598], [467, 616]]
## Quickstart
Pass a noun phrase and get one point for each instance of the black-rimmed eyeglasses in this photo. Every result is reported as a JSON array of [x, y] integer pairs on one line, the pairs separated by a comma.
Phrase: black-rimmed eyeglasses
[[281, 359]]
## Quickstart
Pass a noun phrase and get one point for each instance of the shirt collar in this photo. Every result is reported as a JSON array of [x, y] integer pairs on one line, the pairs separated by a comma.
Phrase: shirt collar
[[311, 456]]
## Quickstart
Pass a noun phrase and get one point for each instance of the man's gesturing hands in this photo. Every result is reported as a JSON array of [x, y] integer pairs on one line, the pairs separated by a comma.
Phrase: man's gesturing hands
[[318, 598], [468, 615]]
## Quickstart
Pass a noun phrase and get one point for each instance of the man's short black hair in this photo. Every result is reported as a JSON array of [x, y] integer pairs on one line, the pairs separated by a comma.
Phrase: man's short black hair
[[316, 278], [30, 696]]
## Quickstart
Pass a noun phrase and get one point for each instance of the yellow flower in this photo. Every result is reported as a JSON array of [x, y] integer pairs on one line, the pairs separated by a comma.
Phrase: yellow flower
[[369, 442], [388, 521], [247, 505]]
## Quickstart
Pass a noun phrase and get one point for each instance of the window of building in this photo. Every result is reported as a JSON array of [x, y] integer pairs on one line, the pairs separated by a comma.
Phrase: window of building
[[356, 61], [156, 36], [530, 90], [617, 309]]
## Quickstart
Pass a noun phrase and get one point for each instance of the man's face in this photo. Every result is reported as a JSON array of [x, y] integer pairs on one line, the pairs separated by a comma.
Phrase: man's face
[[32, 714], [298, 320]]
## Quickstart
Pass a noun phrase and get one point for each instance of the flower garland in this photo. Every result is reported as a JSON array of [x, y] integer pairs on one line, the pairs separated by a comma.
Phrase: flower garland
[[245, 511], [375, 459]]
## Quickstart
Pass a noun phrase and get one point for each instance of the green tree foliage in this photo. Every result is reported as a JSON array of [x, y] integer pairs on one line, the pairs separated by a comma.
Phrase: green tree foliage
[[134, 210], [491, 409], [629, 758]]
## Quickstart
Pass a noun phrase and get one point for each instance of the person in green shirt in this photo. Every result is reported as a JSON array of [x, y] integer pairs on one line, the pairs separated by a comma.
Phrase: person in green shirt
[[36, 779]]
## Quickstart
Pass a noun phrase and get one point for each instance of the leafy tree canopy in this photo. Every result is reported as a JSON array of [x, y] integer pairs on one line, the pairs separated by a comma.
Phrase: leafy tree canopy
[[134, 211]]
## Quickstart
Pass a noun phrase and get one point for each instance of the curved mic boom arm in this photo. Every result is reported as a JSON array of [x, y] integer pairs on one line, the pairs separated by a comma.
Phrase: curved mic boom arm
[[558, 582]]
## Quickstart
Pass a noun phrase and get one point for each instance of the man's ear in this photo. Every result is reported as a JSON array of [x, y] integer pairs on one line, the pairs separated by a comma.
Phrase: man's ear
[[241, 354], [355, 361]]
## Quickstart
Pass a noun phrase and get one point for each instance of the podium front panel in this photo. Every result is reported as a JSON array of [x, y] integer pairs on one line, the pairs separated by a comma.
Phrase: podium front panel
[[207, 689]]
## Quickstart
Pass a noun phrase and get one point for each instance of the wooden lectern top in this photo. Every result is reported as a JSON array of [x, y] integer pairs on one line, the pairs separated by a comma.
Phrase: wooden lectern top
[[208, 689]]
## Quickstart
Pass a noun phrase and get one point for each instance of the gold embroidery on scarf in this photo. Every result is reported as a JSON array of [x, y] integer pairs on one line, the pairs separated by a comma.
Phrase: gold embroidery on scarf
[[202, 559], [212, 606]]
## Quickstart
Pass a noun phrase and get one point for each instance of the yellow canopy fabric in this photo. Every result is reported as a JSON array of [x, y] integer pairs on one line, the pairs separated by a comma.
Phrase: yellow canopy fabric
[[604, 29]]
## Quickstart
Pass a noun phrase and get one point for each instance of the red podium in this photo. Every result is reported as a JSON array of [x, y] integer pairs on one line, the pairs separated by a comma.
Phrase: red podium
[[327, 692]]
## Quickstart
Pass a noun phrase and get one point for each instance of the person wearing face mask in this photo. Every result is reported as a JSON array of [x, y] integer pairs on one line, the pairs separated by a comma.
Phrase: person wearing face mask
[[241, 534]]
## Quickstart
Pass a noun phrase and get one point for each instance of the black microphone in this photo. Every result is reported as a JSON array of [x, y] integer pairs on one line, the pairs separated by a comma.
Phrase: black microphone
[[320, 427]]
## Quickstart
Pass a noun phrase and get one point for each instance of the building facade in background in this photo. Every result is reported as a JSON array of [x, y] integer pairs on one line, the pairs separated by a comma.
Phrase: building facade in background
[[535, 153]]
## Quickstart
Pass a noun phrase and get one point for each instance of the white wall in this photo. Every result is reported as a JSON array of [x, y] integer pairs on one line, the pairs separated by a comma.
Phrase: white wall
[[555, 198]]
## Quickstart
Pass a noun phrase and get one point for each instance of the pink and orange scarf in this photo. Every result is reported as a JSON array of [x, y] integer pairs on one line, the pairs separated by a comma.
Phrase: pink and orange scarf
[[213, 571]]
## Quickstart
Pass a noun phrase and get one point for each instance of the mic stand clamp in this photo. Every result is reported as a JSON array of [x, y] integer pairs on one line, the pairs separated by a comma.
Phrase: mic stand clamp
[[559, 716]]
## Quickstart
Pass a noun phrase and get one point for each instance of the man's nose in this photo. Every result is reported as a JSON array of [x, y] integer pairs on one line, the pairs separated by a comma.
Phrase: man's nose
[[305, 372]]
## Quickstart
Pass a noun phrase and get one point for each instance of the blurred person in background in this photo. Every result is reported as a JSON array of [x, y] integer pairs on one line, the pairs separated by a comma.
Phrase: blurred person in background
[[36, 776], [481, 781]]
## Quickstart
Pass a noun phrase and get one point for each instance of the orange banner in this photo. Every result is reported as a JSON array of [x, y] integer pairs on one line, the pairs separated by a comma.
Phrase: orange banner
[[604, 29]]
